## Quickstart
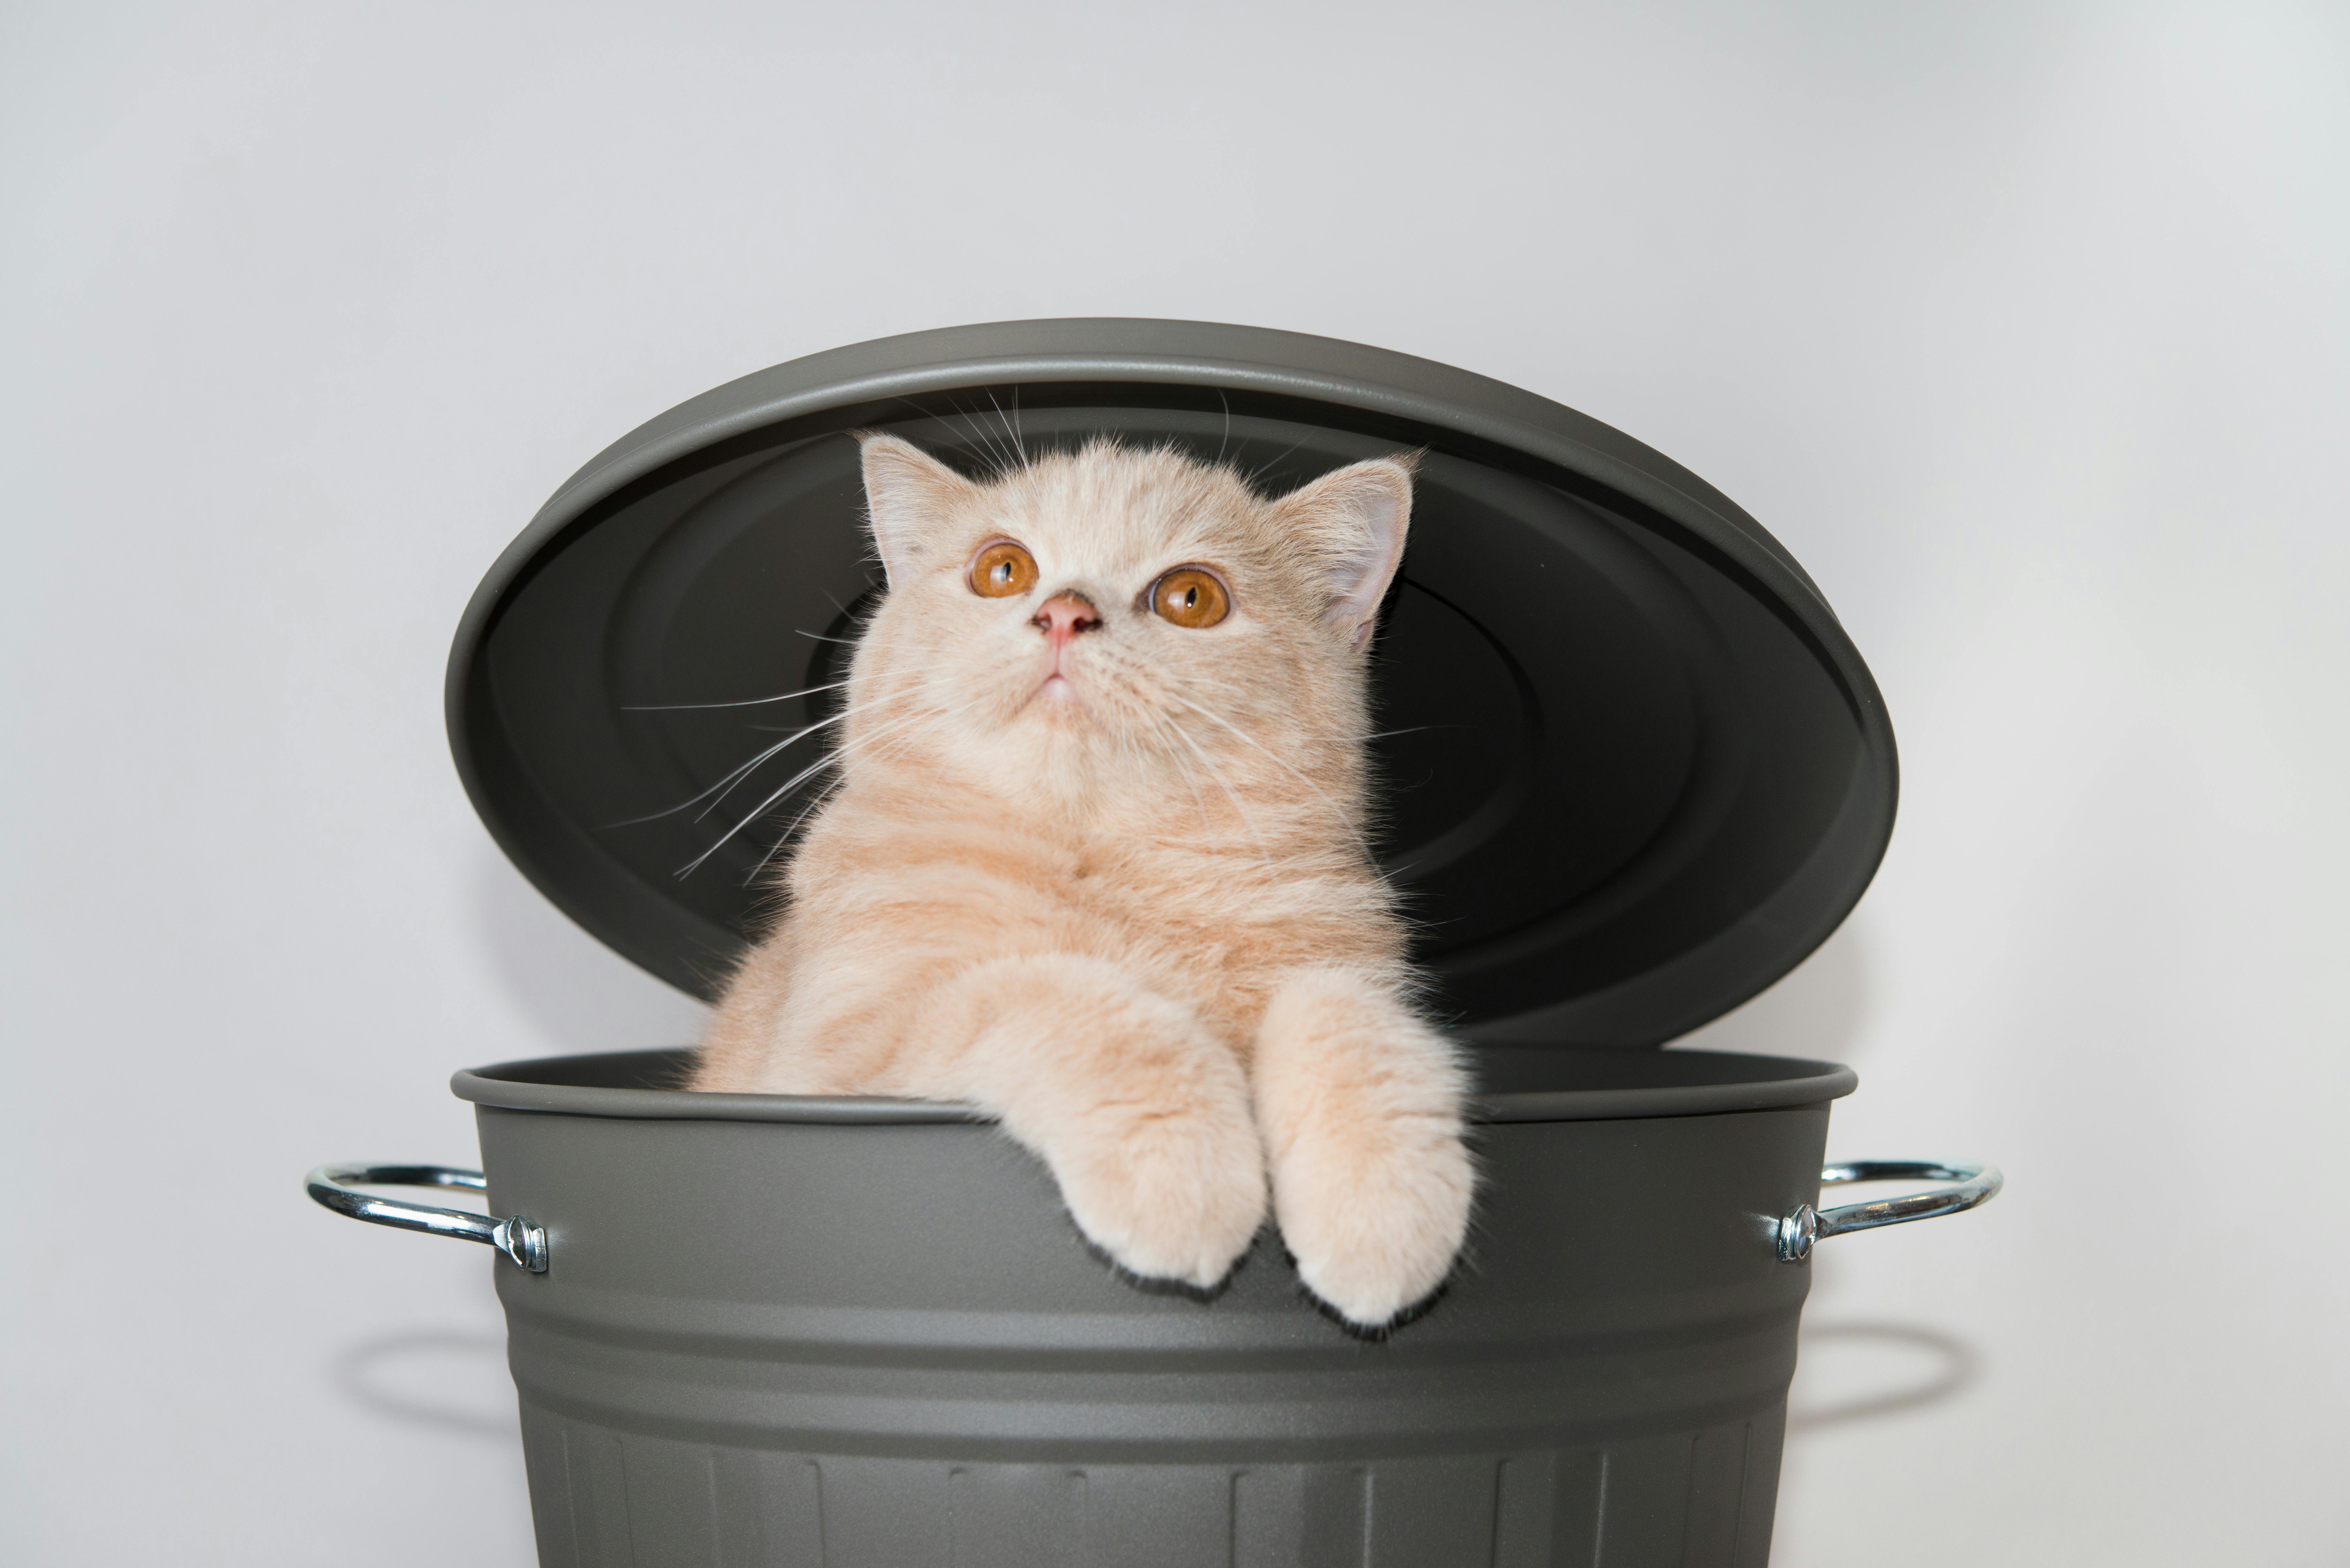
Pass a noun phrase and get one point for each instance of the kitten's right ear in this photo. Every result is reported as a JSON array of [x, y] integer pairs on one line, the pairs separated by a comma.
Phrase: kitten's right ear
[[908, 495], [1354, 519]]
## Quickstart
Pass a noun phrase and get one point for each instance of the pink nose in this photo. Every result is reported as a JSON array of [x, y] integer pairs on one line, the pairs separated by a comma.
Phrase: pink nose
[[1062, 617]]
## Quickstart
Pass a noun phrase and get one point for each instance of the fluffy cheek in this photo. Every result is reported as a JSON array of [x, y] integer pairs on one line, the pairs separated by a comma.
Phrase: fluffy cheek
[[1238, 677], [981, 663], [1174, 696]]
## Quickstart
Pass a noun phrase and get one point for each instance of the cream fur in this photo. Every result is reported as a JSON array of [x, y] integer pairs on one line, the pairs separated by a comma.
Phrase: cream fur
[[1134, 918]]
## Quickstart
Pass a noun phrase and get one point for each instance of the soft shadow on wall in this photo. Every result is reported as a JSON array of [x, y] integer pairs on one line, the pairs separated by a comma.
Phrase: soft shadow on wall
[[448, 1381]]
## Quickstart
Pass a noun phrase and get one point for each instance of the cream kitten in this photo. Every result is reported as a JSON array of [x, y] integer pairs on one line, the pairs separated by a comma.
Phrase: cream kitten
[[1095, 864]]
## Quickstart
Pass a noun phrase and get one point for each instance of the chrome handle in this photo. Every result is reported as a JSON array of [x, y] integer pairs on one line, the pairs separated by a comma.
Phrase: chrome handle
[[520, 1239], [1977, 1184]]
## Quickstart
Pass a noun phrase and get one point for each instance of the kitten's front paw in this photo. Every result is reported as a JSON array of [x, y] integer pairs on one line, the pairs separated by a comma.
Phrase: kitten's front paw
[[1374, 1215], [1172, 1196]]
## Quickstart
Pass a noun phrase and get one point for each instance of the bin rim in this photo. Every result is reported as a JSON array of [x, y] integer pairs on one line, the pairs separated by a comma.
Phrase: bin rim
[[1718, 1081]]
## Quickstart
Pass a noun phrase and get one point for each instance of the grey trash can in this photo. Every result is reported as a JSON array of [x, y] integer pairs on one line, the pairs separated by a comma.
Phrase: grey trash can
[[1637, 773]]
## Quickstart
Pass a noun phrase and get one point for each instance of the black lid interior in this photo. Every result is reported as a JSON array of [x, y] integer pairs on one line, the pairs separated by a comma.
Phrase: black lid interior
[[1634, 770]]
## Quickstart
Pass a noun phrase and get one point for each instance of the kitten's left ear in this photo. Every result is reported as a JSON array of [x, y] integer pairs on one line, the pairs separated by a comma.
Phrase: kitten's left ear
[[1354, 520], [907, 493]]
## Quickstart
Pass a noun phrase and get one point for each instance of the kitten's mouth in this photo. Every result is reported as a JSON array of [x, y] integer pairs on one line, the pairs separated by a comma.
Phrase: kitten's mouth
[[1056, 690]]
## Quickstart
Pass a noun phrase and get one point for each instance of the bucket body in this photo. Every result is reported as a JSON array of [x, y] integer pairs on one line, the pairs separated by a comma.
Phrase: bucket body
[[866, 1335]]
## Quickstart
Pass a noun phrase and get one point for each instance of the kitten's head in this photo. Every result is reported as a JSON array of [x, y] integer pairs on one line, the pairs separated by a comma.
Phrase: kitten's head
[[1117, 626]]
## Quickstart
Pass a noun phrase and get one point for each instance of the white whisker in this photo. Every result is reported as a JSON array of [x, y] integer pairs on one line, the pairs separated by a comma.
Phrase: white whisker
[[1264, 851], [1338, 810], [784, 837], [1261, 469], [750, 703], [995, 455], [725, 786], [720, 788], [798, 779], [868, 705], [1011, 428], [1190, 778]]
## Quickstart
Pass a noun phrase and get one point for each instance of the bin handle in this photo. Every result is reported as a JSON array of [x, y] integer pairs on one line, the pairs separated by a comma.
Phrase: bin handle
[[520, 1239], [1977, 1184]]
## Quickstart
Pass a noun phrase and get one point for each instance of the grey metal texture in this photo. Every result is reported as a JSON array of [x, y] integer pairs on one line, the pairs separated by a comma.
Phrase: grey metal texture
[[863, 1342], [1637, 771]]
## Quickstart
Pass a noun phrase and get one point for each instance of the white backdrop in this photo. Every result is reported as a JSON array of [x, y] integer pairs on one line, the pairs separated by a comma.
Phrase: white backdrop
[[2023, 325]]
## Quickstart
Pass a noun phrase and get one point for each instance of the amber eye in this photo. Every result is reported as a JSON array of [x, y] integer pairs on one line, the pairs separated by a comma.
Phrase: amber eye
[[1003, 569], [1190, 597]]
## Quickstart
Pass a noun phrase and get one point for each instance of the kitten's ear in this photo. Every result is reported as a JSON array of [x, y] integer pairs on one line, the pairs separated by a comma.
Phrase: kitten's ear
[[1354, 521], [907, 493]]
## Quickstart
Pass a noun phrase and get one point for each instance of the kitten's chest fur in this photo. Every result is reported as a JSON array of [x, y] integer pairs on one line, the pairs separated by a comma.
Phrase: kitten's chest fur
[[1212, 916]]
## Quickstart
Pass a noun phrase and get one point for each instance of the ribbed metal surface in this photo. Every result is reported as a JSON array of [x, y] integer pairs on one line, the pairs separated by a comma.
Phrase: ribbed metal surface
[[1675, 1499], [886, 1345]]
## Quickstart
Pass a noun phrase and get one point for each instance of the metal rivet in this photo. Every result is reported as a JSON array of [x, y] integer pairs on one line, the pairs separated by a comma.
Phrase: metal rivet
[[1797, 1233]]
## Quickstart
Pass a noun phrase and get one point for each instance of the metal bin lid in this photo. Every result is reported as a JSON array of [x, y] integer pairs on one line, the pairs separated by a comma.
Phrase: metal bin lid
[[1634, 770]]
